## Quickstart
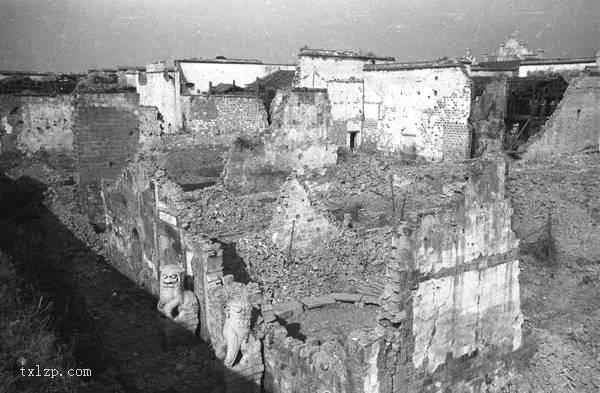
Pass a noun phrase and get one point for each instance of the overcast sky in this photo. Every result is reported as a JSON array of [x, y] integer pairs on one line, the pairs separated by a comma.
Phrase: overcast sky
[[74, 35]]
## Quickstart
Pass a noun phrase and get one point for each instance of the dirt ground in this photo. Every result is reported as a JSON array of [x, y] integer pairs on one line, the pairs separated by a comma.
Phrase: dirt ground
[[113, 326]]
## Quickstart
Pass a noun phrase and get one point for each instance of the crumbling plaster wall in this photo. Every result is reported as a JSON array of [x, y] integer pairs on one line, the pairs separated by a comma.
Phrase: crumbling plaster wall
[[299, 139], [463, 313], [29, 124], [316, 72], [487, 114], [346, 110], [419, 111], [156, 87], [573, 126]]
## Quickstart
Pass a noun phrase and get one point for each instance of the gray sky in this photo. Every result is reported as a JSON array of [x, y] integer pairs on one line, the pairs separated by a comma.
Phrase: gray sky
[[74, 35]]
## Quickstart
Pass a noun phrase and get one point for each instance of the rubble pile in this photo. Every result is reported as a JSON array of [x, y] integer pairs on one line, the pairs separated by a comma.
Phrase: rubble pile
[[217, 212], [556, 205], [375, 189], [347, 264]]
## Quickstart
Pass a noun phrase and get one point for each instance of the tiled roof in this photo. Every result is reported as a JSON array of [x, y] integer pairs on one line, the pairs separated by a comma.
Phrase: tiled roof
[[279, 79], [223, 60], [342, 54], [410, 65], [509, 65], [559, 61]]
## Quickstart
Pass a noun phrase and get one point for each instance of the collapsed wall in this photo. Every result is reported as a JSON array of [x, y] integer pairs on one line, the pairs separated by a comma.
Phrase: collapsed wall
[[299, 139], [29, 124], [488, 110], [573, 126], [212, 123], [448, 320]]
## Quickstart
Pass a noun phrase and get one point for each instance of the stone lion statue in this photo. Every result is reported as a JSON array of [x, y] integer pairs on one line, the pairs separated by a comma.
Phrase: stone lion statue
[[175, 302], [236, 332]]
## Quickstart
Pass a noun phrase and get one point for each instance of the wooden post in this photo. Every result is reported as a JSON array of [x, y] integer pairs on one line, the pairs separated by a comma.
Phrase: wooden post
[[291, 238], [393, 198]]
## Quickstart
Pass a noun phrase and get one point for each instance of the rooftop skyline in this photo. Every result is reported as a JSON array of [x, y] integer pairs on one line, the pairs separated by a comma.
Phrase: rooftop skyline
[[75, 35]]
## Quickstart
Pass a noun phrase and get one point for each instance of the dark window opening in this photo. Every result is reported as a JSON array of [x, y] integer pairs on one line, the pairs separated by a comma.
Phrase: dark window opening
[[353, 135]]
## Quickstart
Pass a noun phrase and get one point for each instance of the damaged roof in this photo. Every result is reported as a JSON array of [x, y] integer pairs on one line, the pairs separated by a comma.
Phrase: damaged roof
[[277, 79], [412, 65]]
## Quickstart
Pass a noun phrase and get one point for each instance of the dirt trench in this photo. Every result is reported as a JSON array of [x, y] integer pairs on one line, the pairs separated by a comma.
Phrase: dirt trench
[[112, 326]]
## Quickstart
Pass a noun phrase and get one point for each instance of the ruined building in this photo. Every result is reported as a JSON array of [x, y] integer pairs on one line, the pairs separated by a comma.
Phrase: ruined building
[[340, 233]]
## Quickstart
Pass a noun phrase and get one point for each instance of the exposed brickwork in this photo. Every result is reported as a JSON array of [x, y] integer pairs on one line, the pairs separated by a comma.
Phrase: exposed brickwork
[[299, 139], [106, 128], [299, 222], [220, 119]]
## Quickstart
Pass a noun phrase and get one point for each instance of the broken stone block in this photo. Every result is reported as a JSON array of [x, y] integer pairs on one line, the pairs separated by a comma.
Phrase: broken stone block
[[212, 277], [255, 297], [214, 265], [346, 297], [370, 299], [316, 302], [313, 341], [286, 310], [269, 316]]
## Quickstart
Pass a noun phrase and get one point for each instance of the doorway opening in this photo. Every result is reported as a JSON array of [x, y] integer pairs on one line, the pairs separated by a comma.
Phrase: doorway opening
[[353, 140]]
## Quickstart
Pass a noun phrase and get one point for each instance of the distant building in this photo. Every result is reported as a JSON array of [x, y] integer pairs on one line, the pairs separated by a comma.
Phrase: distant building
[[319, 66], [196, 75], [515, 50]]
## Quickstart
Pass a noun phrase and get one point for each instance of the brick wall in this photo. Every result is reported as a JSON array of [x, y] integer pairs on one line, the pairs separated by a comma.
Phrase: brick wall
[[220, 119], [299, 139], [299, 221], [319, 364], [422, 112], [573, 126], [29, 124], [106, 133]]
